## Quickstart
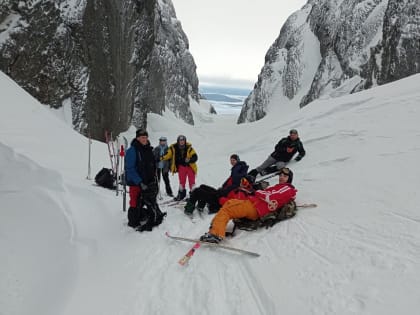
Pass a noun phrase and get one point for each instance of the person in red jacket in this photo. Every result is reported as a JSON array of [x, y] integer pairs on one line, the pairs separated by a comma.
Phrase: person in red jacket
[[253, 207]]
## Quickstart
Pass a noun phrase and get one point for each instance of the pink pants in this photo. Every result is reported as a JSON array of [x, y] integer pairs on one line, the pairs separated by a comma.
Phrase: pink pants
[[185, 172]]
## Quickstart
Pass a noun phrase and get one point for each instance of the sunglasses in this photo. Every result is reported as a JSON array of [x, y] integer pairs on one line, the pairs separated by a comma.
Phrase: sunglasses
[[285, 171]]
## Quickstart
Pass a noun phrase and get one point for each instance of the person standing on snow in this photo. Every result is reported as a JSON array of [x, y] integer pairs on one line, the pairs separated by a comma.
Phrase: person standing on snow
[[209, 195], [163, 166], [253, 207], [140, 170], [284, 151], [182, 159]]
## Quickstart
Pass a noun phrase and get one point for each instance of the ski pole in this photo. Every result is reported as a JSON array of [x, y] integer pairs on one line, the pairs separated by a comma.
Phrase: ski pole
[[90, 144], [122, 174], [107, 139]]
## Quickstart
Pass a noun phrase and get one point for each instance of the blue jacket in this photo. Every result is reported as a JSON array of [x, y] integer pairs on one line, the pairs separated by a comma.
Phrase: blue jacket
[[140, 165], [157, 151]]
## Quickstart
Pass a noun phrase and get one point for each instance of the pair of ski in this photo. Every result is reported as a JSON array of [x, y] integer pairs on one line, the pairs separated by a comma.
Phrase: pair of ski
[[172, 202], [197, 244]]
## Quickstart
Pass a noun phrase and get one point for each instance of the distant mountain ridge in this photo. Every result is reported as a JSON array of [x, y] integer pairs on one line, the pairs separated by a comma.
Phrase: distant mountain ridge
[[335, 47], [225, 90], [221, 98]]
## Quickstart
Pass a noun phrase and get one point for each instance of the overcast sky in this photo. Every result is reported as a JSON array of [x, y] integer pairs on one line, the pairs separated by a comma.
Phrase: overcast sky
[[229, 38]]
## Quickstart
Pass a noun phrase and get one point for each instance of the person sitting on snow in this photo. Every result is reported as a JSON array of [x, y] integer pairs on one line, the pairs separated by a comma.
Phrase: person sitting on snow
[[255, 206], [284, 151], [205, 194]]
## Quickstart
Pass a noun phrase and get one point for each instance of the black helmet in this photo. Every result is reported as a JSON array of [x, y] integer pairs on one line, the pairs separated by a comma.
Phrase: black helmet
[[287, 171]]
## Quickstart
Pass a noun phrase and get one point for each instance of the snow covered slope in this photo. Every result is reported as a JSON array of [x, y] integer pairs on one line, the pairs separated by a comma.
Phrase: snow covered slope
[[66, 249]]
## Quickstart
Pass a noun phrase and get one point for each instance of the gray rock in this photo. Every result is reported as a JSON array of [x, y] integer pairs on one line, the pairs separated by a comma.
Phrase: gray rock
[[112, 61], [335, 47]]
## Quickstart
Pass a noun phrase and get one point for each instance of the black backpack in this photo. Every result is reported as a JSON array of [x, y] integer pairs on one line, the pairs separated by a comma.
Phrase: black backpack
[[147, 214], [287, 211], [105, 178]]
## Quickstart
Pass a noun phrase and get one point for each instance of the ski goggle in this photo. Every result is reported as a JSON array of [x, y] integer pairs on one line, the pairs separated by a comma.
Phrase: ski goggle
[[285, 171]]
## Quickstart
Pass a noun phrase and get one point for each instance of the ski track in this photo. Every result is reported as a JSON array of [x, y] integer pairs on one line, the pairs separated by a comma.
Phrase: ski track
[[262, 299], [404, 217]]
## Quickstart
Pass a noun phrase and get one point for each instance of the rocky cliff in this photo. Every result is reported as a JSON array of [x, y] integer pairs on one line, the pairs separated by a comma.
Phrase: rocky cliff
[[333, 47], [111, 61]]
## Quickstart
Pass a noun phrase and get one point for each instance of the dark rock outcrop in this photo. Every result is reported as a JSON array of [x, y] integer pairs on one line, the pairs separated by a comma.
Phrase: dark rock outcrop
[[335, 47], [112, 61]]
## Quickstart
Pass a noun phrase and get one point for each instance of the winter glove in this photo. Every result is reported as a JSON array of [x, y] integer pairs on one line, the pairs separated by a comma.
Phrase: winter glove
[[143, 186], [298, 158]]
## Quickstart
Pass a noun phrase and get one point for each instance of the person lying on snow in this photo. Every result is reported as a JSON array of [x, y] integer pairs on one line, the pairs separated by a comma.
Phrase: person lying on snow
[[253, 207], [205, 194]]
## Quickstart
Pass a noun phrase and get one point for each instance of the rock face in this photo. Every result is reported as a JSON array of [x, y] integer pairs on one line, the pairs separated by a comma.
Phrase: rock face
[[112, 61], [335, 47]]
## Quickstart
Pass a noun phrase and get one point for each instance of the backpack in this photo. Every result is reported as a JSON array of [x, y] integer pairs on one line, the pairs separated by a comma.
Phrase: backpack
[[105, 178], [287, 211], [147, 214]]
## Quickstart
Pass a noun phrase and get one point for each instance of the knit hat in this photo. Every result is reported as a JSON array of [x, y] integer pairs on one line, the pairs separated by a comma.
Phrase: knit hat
[[235, 157], [162, 139], [293, 131], [181, 137], [141, 132]]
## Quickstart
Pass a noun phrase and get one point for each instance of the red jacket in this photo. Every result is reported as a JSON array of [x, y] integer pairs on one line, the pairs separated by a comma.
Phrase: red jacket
[[277, 195], [234, 194]]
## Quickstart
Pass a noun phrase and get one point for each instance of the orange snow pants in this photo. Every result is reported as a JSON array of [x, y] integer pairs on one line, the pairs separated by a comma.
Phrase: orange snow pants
[[232, 209]]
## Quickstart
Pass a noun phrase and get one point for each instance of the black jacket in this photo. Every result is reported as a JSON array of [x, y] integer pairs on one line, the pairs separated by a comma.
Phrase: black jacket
[[238, 171], [286, 148]]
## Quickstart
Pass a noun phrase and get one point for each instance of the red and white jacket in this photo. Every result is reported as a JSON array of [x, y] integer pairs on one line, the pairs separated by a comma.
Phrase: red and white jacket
[[272, 198]]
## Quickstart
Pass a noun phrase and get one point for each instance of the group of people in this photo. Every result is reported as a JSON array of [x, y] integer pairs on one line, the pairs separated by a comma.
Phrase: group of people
[[238, 197], [144, 168]]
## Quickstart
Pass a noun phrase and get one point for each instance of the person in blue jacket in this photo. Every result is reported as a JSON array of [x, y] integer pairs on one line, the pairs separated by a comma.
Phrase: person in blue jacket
[[163, 166], [140, 172]]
